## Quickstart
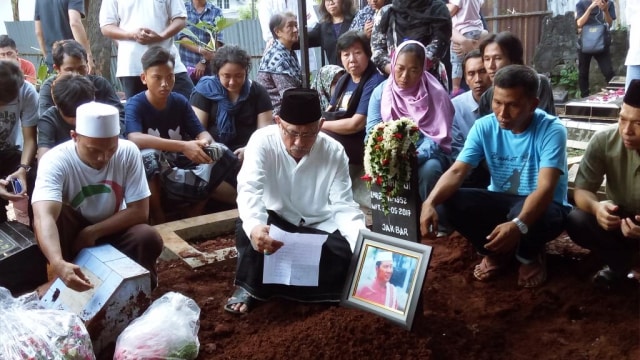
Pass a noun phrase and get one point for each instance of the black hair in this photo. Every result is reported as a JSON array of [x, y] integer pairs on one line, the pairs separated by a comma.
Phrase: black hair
[[231, 54], [473, 54], [518, 76], [11, 80], [70, 91], [510, 45], [277, 21], [415, 49], [351, 37], [70, 48], [157, 55], [6, 41], [347, 9]]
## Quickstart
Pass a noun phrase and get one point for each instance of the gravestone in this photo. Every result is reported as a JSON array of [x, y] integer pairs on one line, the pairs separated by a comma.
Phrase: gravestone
[[403, 218], [23, 267], [121, 292]]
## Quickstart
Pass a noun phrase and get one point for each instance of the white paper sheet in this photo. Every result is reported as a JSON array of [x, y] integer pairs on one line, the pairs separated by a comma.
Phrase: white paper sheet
[[297, 262]]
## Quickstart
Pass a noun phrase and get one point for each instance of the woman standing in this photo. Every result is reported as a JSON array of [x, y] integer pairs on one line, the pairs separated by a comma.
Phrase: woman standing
[[425, 21], [279, 68], [411, 91], [336, 17], [229, 105]]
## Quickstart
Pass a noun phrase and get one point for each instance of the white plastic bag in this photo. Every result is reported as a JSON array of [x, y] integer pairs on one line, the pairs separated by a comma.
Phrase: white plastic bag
[[30, 332], [167, 330]]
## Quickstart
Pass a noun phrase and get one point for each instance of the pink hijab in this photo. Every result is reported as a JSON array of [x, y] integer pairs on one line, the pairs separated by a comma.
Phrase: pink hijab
[[427, 103]]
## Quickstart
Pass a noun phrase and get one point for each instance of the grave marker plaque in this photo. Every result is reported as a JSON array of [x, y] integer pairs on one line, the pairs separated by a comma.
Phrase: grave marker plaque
[[403, 218], [23, 267]]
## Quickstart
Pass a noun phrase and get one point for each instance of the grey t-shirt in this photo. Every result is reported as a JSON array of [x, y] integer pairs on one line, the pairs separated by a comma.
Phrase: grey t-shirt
[[54, 20], [20, 112]]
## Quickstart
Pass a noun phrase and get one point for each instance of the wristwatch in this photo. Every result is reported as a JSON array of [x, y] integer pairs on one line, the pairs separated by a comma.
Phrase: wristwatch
[[27, 168], [521, 226], [203, 61]]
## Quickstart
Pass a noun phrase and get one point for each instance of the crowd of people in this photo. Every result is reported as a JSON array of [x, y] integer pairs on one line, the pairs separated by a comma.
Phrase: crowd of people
[[492, 160]]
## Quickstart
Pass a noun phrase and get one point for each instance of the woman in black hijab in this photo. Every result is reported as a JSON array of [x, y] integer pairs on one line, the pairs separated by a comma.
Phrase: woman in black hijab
[[426, 21]]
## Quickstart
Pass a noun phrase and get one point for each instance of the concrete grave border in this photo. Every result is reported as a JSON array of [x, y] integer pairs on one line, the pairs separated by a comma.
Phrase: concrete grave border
[[176, 235]]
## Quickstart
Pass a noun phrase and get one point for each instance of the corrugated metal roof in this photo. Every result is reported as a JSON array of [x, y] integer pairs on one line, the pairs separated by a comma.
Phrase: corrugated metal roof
[[248, 35], [24, 34]]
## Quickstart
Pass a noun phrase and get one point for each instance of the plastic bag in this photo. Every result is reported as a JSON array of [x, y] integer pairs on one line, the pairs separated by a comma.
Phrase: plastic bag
[[167, 330], [31, 332]]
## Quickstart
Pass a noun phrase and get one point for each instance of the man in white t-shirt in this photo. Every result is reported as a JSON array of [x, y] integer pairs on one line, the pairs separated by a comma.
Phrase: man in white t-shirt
[[81, 191], [136, 25]]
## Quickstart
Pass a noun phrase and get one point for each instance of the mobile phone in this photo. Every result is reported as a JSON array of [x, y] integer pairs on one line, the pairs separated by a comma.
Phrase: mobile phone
[[15, 186]]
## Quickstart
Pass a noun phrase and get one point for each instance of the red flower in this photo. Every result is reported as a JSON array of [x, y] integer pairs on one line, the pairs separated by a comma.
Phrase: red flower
[[385, 162], [379, 180], [397, 135], [366, 177], [380, 138], [377, 147]]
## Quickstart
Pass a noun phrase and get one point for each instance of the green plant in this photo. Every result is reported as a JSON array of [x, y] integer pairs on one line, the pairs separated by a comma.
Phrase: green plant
[[214, 29], [42, 74], [568, 79]]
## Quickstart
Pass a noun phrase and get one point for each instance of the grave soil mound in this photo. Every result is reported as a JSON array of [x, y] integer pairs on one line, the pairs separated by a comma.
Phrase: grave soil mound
[[567, 318]]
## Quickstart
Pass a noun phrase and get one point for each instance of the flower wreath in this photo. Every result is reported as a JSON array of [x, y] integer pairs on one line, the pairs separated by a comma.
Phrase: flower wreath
[[387, 157]]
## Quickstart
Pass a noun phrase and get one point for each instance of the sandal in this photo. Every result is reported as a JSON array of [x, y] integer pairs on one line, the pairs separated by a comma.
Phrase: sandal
[[533, 274], [240, 296], [489, 267]]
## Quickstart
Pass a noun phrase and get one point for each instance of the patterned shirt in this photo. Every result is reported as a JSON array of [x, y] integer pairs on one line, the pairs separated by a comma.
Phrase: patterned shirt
[[365, 14], [209, 15]]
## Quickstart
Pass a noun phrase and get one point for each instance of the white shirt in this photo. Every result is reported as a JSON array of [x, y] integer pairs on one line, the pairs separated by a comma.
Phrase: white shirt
[[95, 194], [317, 189], [633, 20], [130, 15]]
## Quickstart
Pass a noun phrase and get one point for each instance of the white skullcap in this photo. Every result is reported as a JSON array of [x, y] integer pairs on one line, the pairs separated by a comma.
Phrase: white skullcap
[[384, 256], [97, 120]]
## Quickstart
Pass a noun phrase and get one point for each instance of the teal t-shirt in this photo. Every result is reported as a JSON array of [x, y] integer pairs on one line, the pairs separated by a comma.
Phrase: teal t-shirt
[[515, 160]]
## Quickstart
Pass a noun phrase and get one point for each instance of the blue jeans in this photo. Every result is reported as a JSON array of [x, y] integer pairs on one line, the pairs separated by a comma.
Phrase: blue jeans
[[474, 213]]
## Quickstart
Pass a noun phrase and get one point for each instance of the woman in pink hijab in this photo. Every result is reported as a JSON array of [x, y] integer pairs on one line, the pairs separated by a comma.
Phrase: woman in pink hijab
[[413, 92]]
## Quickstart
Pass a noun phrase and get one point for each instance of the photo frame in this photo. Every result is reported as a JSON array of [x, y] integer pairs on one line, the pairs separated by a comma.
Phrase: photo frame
[[386, 275]]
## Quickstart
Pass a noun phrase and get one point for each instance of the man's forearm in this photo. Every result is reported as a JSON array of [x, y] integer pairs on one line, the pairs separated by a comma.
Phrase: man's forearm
[[41, 43], [535, 205], [80, 34], [585, 200], [46, 232], [448, 184], [174, 27], [114, 32], [145, 141], [29, 146]]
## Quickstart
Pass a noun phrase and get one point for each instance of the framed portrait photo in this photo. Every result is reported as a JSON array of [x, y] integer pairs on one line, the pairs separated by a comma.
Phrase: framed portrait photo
[[386, 276]]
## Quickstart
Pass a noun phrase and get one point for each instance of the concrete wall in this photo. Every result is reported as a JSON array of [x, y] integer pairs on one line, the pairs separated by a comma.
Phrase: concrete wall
[[561, 7]]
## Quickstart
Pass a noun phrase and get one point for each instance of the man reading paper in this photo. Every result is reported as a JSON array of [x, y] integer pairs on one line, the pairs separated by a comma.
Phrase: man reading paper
[[297, 179]]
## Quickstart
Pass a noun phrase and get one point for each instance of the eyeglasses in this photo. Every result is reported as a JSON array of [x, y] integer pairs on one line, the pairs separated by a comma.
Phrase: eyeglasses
[[295, 134]]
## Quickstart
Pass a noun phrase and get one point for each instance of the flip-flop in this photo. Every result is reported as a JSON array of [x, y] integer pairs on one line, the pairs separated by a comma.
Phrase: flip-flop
[[240, 296], [488, 268], [533, 274]]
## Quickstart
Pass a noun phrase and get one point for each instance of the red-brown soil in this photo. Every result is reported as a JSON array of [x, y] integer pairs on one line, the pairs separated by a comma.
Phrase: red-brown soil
[[567, 318]]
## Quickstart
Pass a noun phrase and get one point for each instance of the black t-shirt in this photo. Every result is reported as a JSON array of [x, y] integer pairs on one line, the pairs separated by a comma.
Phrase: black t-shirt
[[247, 118]]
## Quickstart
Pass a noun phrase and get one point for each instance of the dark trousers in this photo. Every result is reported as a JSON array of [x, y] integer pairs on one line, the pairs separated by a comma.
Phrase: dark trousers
[[614, 249], [474, 213], [142, 243], [584, 62], [132, 85], [334, 265]]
